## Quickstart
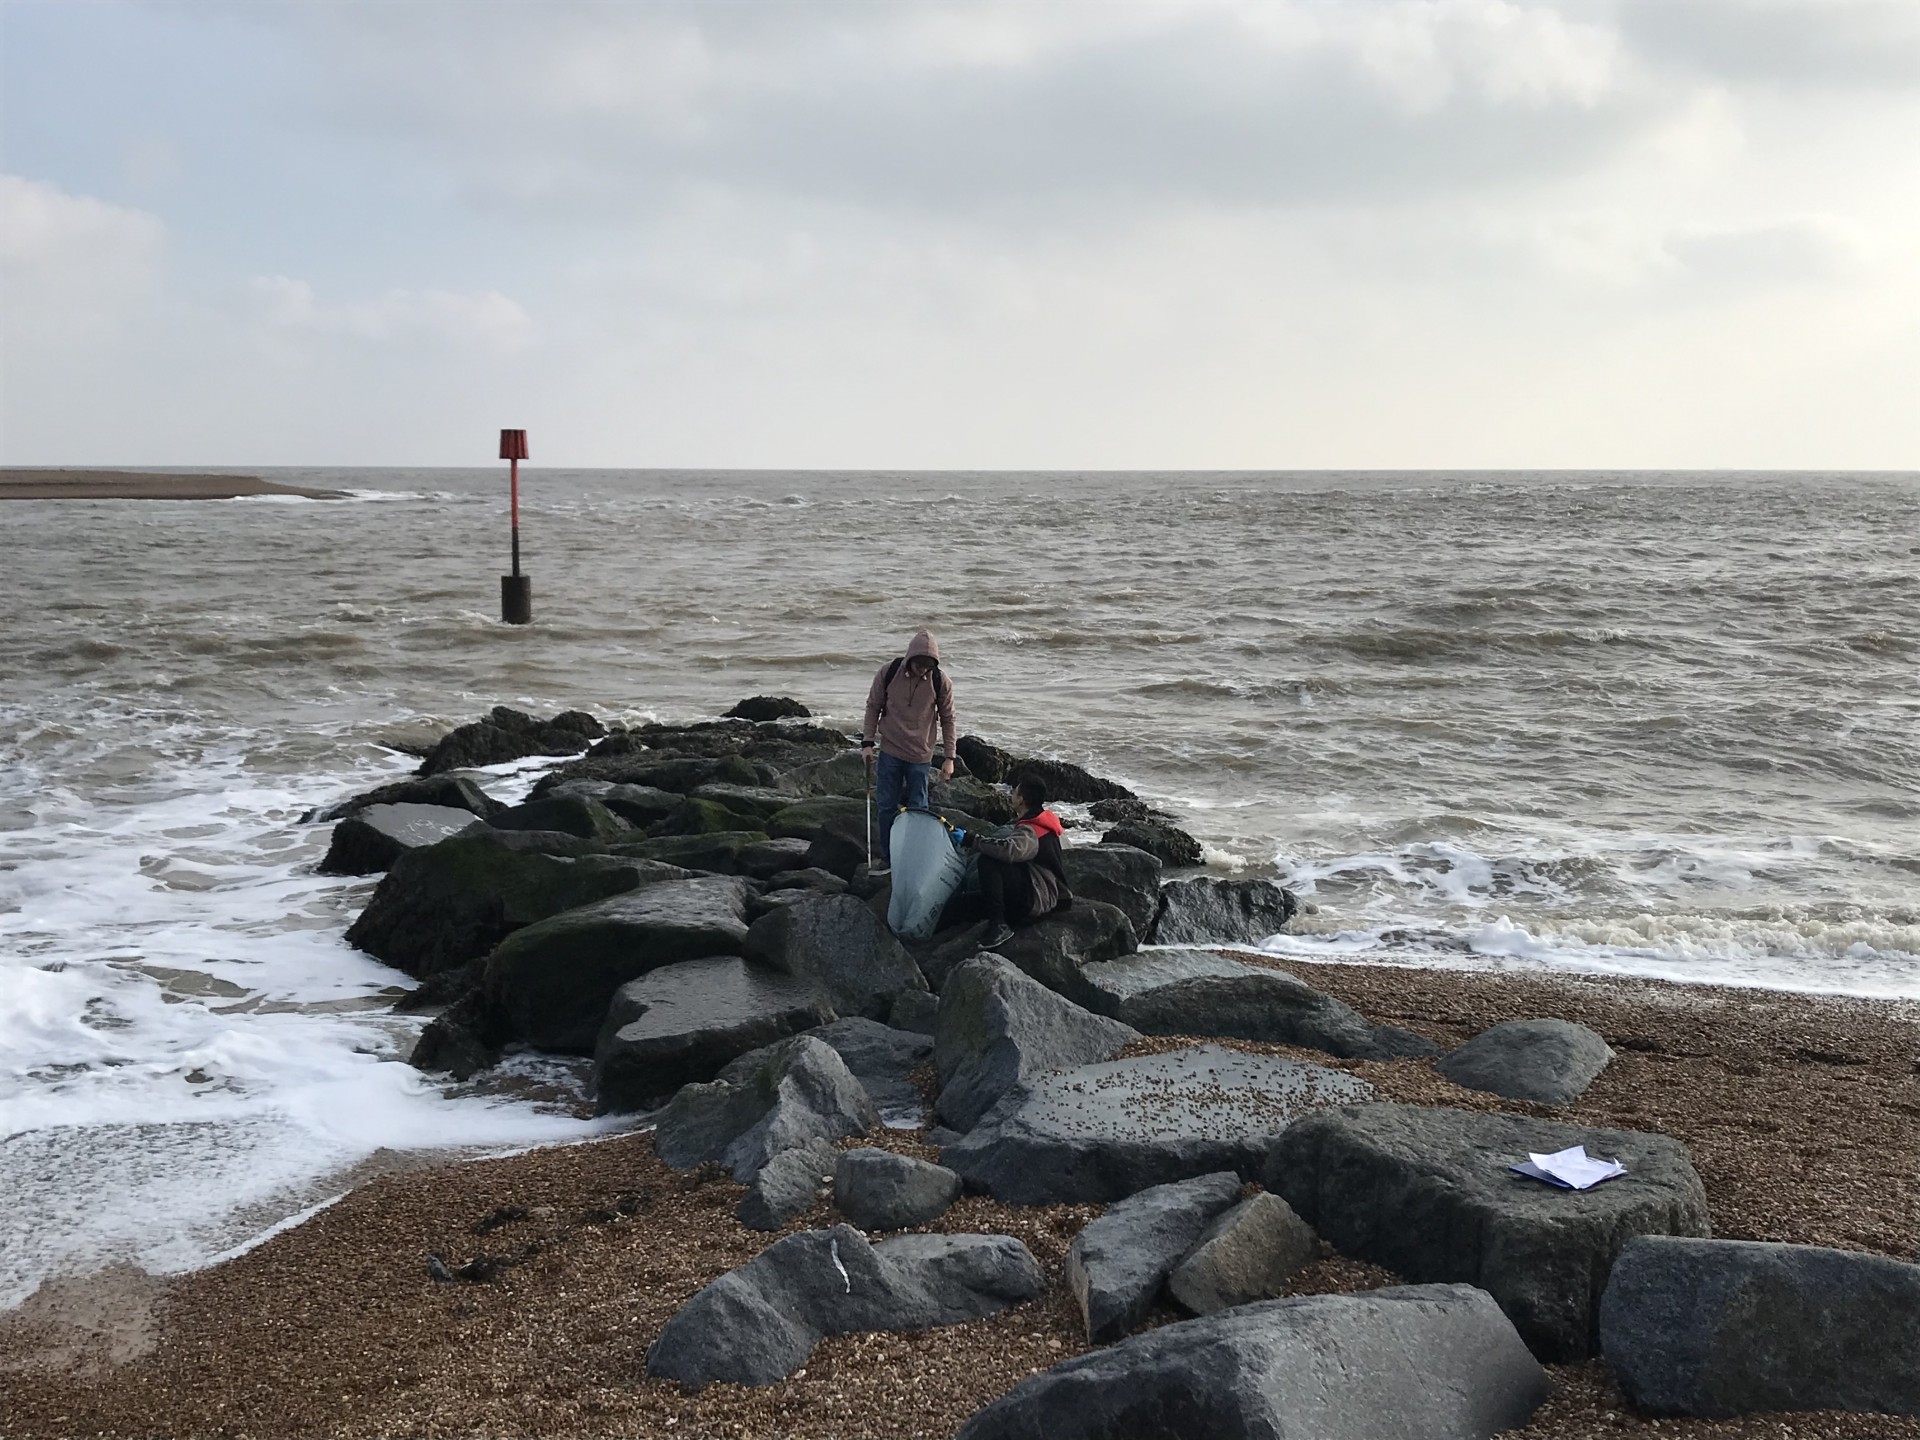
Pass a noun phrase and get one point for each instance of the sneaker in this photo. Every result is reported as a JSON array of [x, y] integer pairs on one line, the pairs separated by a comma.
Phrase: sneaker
[[996, 937]]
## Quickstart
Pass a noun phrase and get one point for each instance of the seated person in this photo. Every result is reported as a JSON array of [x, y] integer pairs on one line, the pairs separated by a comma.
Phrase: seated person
[[1021, 874]]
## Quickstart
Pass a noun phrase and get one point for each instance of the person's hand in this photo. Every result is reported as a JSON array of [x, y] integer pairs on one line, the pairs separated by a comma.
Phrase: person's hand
[[867, 753], [946, 770]]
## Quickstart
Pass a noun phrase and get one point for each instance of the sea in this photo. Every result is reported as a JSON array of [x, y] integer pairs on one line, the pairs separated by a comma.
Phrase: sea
[[1640, 724]]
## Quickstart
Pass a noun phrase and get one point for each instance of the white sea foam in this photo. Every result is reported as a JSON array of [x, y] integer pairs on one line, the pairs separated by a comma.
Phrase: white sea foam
[[187, 1046]]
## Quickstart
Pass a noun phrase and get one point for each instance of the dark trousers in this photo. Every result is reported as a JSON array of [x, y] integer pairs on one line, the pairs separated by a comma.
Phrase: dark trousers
[[1007, 888]]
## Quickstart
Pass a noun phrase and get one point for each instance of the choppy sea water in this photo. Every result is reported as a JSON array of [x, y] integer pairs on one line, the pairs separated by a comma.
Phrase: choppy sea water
[[1663, 725]]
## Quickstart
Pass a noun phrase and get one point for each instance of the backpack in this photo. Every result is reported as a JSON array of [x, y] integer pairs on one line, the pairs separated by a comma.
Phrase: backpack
[[940, 680]]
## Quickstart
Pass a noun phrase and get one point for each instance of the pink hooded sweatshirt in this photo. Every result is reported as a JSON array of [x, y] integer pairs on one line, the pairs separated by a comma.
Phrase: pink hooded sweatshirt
[[904, 715]]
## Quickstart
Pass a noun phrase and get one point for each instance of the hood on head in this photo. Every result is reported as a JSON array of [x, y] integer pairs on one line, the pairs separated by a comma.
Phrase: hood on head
[[922, 644]]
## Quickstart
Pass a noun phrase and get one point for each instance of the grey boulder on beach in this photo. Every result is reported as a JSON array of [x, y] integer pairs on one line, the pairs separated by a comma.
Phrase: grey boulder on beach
[[767, 1101], [1717, 1328], [1417, 1362], [758, 1324], [1102, 1132], [1427, 1193], [1547, 1061], [1117, 1264]]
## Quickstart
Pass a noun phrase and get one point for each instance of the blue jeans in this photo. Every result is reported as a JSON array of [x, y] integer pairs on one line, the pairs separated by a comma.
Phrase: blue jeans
[[896, 783]]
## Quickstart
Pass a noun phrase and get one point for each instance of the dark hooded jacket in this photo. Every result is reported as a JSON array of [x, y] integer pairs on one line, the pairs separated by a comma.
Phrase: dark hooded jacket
[[1034, 840]]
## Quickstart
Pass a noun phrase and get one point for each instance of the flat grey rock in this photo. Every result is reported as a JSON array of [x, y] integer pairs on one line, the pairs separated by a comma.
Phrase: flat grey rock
[[1195, 992], [1549, 1061], [552, 983], [839, 943], [1117, 875], [820, 882], [683, 1022], [878, 1190], [788, 1185], [1427, 1193], [1206, 911], [767, 1101], [1426, 1362], [758, 1324], [1717, 1328], [1245, 1254], [996, 1027], [1053, 950], [1102, 1132], [882, 1059], [458, 791], [764, 859], [370, 840], [1117, 1264]]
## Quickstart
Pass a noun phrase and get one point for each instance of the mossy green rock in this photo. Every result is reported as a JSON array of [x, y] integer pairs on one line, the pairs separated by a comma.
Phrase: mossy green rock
[[822, 814], [696, 817], [757, 803], [717, 853], [444, 905]]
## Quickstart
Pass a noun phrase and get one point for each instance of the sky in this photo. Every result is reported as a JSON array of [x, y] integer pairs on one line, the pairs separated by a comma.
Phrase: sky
[[962, 234]]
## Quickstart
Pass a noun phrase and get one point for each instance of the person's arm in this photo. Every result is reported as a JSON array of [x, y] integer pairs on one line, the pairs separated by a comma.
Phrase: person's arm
[[949, 727], [1017, 845], [870, 723]]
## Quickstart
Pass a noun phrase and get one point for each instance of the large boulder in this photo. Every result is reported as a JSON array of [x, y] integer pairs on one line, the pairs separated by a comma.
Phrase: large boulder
[[1054, 950], [818, 814], [1717, 1328], [766, 858], [683, 1022], [997, 1027], [755, 804], [440, 907], [1117, 1264], [1427, 1193], [985, 761], [839, 943], [551, 983], [1117, 875], [844, 774], [580, 815], [1067, 782], [977, 798], [1169, 844], [506, 734], [698, 817], [371, 840], [1548, 1061], [1102, 1132], [1195, 992], [883, 1060], [638, 805], [461, 792], [1245, 1254], [630, 763], [878, 1190], [758, 1324], [788, 1185], [1206, 911], [716, 854], [768, 707], [767, 1101], [1427, 1362]]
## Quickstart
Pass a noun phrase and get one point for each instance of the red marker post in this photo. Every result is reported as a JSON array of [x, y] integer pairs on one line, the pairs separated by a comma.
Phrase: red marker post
[[516, 590]]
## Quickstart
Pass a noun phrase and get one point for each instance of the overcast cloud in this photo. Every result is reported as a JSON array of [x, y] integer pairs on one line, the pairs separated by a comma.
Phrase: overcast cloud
[[1216, 233]]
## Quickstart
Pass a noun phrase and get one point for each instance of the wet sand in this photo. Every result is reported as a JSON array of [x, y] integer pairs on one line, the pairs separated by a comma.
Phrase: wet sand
[[141, 485], [1802, 1115]]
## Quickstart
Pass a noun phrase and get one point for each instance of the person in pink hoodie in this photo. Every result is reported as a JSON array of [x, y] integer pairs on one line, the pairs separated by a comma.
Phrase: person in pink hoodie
[[1022, 876], [908, 726]]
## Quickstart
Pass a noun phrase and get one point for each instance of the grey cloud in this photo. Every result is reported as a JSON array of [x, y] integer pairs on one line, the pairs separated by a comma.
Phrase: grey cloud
[[1358, 102], [1804, 42]]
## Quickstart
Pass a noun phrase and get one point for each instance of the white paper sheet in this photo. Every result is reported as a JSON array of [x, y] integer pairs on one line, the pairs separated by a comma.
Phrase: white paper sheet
[[1576, 1169]]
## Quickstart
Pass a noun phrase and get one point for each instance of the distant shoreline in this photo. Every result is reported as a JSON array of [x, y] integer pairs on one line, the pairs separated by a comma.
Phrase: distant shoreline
[[142, 485]]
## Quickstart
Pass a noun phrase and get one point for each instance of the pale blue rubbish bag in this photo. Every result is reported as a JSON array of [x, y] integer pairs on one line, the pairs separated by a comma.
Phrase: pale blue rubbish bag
[[927, 871]]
